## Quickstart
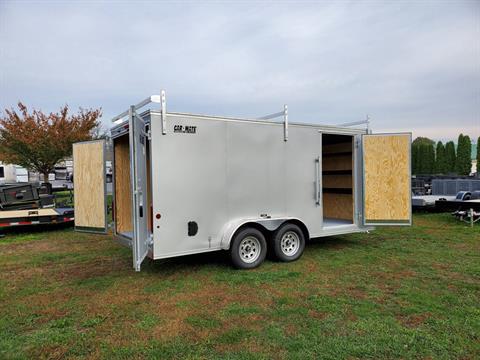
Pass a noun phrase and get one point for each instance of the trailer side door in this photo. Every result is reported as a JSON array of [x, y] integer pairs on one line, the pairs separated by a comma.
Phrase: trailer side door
[[138, 163], [90, 186], [387, 179]]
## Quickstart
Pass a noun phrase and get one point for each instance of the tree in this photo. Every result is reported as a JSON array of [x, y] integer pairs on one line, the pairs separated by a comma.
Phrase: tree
[[450, 157], [38, 141], [440, 160], [423, 155], [429, 166], [478, 155], [414, 159], [463, 164]]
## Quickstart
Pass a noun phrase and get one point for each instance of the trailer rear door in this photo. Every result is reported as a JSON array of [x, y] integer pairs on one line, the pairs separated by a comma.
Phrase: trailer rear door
[[138, 163], [90, 186], [386, 179]]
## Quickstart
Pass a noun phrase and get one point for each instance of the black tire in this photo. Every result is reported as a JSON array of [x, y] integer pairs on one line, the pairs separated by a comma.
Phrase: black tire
[[248, 242], [293, 245]]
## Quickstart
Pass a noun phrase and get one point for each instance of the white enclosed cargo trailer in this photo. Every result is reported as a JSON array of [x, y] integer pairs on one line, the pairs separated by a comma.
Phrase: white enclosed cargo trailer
[[186, 184]]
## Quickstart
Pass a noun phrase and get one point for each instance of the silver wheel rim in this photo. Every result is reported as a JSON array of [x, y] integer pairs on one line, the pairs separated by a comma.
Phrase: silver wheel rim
[[290, 243], [249, 249]]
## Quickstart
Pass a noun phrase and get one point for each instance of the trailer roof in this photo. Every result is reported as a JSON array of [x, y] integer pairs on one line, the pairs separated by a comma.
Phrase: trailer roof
[[146, 115]]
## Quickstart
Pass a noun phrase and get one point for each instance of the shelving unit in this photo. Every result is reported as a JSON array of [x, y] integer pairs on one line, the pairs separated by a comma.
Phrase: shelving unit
[[337, 181]]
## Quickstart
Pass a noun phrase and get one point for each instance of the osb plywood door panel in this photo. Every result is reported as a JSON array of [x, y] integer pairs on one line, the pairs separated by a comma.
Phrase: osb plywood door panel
[[89, 185], [123, 192], [387, 178]]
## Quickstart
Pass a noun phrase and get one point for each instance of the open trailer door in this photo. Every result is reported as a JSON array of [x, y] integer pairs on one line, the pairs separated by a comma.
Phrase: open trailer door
[[386, 179], [138, 163], [90, 186]]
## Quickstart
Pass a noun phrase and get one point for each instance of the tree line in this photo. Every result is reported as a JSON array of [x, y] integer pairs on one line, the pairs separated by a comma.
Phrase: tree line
[[429, 157]]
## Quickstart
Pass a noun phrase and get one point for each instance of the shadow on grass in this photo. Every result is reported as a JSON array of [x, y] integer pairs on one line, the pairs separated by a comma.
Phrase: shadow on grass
[[24, 229], [221, 258], [333, 242], [188, 263]]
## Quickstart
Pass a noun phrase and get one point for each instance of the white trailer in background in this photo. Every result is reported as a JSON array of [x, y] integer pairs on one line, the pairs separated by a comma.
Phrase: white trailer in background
[[11, 173], [186, 184]]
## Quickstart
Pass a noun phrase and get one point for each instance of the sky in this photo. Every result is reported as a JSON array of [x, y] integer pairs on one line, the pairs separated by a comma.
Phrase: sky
[[410, 65]]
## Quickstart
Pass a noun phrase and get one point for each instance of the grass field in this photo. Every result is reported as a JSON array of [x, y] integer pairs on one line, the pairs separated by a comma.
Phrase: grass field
[[395, 293]]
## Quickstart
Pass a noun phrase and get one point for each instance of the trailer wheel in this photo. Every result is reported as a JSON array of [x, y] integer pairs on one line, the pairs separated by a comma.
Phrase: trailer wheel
[[288, 242], [248, 249]]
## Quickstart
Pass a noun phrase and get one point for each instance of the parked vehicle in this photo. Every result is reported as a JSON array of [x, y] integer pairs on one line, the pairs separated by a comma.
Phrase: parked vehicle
[[186, 184]]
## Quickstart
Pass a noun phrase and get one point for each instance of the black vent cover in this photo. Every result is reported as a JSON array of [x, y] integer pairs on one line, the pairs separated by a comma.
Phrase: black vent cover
[[192, 228]]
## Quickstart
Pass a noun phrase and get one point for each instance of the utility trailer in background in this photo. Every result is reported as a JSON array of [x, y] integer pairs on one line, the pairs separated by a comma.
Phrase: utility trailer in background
[[28, 204], [11, 218], [186, 184]]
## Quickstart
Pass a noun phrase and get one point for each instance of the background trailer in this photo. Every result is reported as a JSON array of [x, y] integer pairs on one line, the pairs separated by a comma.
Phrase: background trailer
[[186, 184]]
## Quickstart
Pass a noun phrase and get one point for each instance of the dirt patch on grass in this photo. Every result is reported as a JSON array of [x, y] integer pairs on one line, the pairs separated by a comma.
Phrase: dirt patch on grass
[[466, 247], [394, 275], [54, 352], [58, 242], [413, 321], [48, 306], [16, 274], [248, 345], [317, 314], [34, 246], [389, 282], [211, 300], [439, 266], [89, 269], [356, 293]]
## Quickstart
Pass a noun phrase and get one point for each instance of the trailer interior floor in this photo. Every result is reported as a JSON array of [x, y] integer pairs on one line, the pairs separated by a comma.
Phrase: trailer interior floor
[[127, 234], [329, 223]]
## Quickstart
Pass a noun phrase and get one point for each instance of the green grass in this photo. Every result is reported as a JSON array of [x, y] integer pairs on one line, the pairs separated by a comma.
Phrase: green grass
[[398, 292]]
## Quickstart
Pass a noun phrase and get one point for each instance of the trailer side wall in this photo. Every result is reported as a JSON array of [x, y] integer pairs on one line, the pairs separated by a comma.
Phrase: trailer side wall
[[225, 171]]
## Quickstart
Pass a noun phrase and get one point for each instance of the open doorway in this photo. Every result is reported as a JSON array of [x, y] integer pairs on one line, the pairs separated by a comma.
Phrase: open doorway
[[123, 204], [337, 180]]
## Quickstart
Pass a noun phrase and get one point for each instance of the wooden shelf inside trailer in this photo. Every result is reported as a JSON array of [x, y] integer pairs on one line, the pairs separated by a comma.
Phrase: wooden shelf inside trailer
[[337, 172], [337, 177], [339, 154], [337, 190]]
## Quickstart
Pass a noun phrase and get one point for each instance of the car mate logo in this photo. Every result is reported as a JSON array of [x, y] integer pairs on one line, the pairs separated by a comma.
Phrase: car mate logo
[[184, 129]]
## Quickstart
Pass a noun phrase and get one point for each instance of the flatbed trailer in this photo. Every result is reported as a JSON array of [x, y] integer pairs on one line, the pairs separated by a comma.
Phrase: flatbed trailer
[[452, 205], [187, 183], [9, 218], [428, 202]]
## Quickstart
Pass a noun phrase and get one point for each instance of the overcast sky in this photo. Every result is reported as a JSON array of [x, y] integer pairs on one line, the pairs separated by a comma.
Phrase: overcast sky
[[413, 66]]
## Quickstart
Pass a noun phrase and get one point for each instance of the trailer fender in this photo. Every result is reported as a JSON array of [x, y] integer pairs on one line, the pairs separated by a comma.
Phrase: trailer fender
[[269, 225]]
